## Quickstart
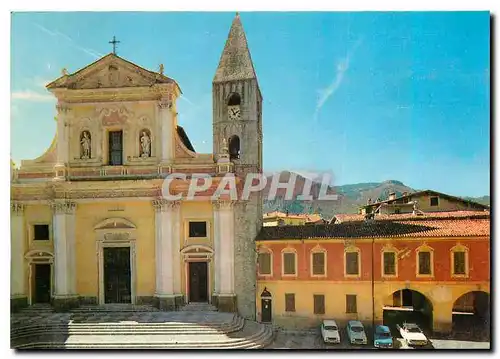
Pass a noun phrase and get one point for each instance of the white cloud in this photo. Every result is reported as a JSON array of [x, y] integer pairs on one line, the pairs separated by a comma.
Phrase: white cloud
[[187, 100], [71, 42], [29, 95], [342, 67]]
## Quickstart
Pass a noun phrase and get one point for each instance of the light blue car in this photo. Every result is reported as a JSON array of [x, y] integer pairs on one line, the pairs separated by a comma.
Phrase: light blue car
[[382, 337], [356, 332]]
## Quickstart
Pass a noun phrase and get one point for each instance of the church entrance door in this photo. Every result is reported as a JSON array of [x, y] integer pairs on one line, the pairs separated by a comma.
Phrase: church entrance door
[[198, 284], [42, 283], [117, 283]]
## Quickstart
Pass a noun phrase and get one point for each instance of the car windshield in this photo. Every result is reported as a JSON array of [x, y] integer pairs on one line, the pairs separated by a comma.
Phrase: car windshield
[[330, 327], [414, 330], [383, 335], [357, 329]]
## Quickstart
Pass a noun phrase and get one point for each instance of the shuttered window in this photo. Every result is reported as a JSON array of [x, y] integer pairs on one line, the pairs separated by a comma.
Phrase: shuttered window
[[264, 263], [424, 263], [352, 264], [458, 262], [389, 263], [319, 304], [289, 302], [115, 154], [351, 303], [318, 260], [289, 263]]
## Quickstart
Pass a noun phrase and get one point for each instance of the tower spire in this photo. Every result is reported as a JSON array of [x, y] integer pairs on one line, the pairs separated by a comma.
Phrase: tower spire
[[235, 62]]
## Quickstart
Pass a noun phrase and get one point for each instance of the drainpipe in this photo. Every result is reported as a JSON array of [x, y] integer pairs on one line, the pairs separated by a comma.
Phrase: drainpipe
[[373, 291]]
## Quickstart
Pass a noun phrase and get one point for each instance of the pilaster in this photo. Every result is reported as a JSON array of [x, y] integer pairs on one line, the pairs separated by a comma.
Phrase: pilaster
[[17, 264], [167, 130], [63, 113]]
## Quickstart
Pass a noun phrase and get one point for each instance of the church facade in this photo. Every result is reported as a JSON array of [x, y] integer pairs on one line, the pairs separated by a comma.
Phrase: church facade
[[89, 222]]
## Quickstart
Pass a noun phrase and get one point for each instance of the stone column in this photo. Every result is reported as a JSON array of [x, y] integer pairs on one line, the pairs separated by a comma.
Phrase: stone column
[[65, 296], [62, 140], [167, 130], [226, 299], [18, 297], [165, 258]]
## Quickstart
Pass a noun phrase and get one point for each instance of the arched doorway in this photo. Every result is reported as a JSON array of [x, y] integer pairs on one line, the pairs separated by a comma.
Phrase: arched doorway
[[266, 306], [407, 305], [234, 147], [471, 315]]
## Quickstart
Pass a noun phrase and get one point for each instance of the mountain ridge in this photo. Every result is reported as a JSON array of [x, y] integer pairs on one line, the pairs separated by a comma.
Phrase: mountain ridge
[[350, 196]]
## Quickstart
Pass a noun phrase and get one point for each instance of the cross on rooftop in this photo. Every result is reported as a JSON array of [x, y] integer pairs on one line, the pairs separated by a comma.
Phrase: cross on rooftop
[[114, 42]]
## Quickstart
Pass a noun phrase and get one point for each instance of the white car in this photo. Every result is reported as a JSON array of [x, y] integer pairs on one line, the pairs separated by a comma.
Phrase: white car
[[356, 332], [330, 331], [412, 334]]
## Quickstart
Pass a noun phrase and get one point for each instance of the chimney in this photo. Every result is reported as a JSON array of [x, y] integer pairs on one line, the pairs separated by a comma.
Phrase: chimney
[[392, 196]]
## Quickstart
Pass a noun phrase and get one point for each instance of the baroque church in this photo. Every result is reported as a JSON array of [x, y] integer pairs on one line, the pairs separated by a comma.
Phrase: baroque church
[[89, 224]]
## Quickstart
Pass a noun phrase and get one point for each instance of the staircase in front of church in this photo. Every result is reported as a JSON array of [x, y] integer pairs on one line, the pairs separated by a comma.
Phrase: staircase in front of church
[[139, 330]]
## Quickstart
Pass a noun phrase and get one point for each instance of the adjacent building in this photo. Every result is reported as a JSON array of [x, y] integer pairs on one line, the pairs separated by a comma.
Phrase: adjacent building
[[277, 218], [425, 201], [436, 263]]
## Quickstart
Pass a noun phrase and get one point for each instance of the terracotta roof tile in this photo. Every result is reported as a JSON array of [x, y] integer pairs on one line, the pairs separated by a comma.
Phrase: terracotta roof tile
[[410, 216], [431, 227]]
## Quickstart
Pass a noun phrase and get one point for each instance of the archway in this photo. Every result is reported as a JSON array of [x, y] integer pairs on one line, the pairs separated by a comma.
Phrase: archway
[[234, 100], [471, 315], [234, 147], [407, 305]]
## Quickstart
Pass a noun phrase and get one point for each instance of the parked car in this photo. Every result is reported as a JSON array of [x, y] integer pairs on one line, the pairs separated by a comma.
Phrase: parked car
[[382, 337], [330, 331], [412, 334], [356, 332]]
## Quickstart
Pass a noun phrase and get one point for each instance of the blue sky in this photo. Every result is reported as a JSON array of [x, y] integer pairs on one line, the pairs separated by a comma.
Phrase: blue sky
[[365, 96]]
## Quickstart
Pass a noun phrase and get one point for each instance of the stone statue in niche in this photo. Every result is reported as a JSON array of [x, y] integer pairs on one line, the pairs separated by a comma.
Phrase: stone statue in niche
[[145, 144], [85, 145]]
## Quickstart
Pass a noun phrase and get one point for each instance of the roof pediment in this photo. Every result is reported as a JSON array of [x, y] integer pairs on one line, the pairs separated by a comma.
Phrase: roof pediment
[[111, 71]]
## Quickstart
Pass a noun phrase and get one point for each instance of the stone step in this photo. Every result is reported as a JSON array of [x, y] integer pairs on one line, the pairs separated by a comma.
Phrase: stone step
[[203, 307], [111, 308], [252, 336], [128, 328]]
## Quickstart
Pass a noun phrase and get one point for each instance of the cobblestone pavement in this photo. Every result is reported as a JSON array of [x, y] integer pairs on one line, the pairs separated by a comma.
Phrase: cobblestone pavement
[[309, 340]]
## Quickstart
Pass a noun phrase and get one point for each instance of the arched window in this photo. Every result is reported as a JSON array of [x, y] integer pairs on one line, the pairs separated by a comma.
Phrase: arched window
[[234, 147], [459, 261], [234, 100], [318, 262], [425, 261]]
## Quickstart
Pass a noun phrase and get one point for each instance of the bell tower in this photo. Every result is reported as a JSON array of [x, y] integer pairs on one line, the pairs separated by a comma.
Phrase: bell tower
[[237, 126], [237, 103]]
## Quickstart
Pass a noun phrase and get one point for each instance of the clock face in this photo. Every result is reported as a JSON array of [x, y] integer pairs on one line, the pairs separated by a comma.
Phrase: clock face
[[233, 112]]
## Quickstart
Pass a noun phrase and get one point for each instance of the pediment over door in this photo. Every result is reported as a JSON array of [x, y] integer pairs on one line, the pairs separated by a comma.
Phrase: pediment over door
[[115, 223]]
